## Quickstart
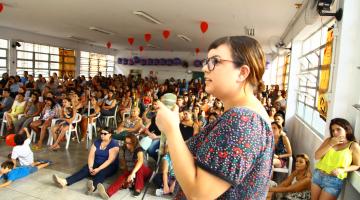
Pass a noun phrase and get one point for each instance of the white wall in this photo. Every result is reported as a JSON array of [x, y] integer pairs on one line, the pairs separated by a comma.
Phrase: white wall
[[162, 72]]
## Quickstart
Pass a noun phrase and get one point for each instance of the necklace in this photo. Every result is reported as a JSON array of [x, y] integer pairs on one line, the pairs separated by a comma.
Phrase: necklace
[[102, 146]]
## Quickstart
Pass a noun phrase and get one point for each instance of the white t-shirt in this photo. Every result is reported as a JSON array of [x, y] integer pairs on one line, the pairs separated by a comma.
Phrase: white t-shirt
[[24, 153]]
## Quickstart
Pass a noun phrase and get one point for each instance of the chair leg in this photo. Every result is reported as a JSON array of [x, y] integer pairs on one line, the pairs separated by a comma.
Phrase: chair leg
[[2, 129], [68, 138]]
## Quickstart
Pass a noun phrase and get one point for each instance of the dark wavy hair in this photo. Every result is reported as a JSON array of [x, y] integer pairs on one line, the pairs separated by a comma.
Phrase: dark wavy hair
[[345, 125]]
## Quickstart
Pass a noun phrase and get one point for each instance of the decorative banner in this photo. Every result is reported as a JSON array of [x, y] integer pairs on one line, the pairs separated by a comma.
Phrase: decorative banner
[[323, 100], [166, 34], [131, 40], [136, 60], [67, 65], [108, 45], [285, 70], [204, 26], [1, 7], [147, 37]]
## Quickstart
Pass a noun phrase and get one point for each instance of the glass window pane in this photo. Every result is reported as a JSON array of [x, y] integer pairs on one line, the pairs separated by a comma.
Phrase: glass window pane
[[45, 73], [44, 57], [24, 64], [2, 62], [84, 54], [318, 123], [3, 43], [308, 114], [300, 109], [42, 65], [54, 66], [54, 58], [3, 70], [24, 55], [54, 50], [2, 53], [41, 48]]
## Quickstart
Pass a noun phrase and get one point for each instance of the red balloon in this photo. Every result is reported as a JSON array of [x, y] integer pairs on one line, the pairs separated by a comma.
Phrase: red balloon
[[1, 7], [141, 48], [108, 45], [10, 140], [204, 26], [166, 34], [131, 40], [147, 37], [197, 50]]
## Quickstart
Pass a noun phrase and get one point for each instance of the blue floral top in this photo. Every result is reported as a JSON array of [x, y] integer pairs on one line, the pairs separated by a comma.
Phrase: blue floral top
[[237, 148]]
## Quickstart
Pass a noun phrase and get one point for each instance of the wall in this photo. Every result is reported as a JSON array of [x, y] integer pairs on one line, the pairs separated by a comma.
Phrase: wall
[[162, 72]]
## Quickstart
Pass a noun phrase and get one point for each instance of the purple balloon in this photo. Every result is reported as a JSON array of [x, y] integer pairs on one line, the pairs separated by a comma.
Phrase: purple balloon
[[169, 62], [156, 61], [131, 62], [197, 63], [150, 61], [136, 59], [143, 62], [177, 61], [125, 61], [120, 60], [162, 61]]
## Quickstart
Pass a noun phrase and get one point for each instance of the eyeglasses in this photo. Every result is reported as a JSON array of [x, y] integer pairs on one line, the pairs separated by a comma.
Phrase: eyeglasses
[[128, 143], [104, 133], [213, 61]]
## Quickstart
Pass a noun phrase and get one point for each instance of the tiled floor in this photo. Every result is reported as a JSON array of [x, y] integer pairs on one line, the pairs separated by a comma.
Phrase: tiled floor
[[40, 185]]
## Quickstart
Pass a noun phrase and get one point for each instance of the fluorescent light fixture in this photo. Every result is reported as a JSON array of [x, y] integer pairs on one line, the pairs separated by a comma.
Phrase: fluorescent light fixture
[[80, 39], [143, 15], [185, 38], [100, 30]]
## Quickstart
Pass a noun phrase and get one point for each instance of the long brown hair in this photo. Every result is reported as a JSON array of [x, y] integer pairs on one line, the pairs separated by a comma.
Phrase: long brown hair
[[134, 140]]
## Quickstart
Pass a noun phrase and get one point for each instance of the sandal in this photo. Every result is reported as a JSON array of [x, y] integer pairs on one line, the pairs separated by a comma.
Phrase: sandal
[[36, 148]]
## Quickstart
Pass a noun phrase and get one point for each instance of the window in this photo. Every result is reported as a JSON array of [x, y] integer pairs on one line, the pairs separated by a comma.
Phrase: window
[[3, 56], [311, 66], [45, 60], [93, 63]]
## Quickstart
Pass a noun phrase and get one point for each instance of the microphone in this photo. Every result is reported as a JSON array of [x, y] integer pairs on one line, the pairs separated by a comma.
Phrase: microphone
[[169, 100]]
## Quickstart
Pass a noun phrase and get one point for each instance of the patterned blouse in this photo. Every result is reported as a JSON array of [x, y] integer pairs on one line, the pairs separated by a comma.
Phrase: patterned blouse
[[237, 148]]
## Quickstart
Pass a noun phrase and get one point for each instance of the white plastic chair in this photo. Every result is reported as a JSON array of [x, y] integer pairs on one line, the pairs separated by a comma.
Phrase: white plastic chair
[[33, 134], [90, 133], [286, 169], [51, 139], [113, 117], [3, 124], [73, 128]]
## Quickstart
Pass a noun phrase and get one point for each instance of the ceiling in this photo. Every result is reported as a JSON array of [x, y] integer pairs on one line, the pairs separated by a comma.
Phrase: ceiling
[[74, 17]]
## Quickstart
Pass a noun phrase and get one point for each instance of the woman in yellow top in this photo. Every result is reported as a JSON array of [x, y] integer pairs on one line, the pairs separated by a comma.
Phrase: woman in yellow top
[[17, 108], [338, 155]]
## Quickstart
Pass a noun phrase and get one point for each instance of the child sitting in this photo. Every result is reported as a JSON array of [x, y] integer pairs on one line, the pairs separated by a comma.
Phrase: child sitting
[[165, 180], [10, 173], [22, 150]]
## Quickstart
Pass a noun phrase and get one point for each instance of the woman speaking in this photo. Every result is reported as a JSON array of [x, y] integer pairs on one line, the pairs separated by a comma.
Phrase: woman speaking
[[231, 157]]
